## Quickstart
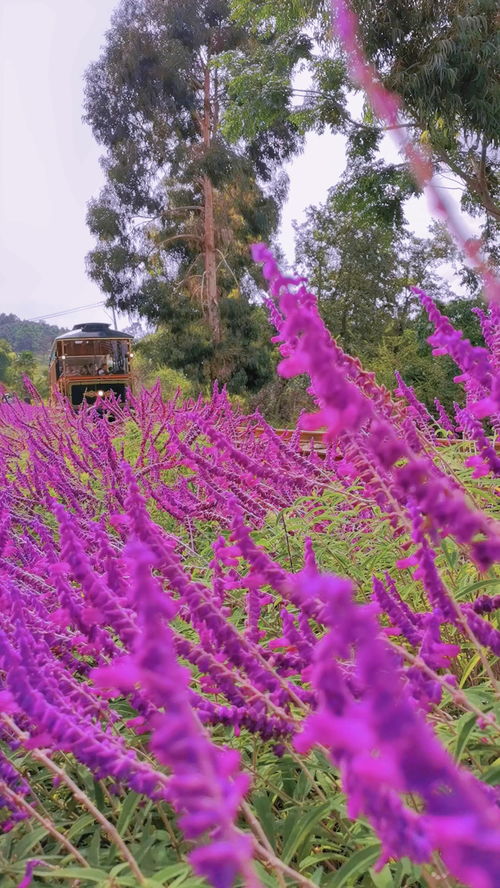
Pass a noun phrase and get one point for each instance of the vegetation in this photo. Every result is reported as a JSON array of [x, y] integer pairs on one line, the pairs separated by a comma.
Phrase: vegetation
[[362, 260], [14, 368], [24, 352], [183, 344], [158, 583], [441, 59], [181, 205], [229, 656], [196, 117], [443, 62], [28, 336]]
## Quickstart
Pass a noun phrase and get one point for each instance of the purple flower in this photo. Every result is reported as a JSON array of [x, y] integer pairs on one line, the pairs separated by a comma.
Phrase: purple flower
[[28, 872], [385, 749]]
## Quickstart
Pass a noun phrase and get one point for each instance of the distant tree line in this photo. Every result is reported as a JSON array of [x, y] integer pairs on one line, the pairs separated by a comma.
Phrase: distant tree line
[[33, 336], [24, 351], [15, 366]]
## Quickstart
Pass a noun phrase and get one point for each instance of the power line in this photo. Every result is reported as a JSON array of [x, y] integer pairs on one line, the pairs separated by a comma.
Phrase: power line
[[60, 314]]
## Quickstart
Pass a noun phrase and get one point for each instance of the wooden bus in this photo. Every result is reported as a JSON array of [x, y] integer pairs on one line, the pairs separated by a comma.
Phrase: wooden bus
[[90, 362]]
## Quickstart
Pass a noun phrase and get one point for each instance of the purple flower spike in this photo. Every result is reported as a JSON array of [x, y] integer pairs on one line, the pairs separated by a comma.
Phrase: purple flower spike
[[28, 873], [385, 749]]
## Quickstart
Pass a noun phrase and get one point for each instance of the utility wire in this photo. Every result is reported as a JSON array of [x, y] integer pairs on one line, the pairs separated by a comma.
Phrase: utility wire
[[60, 314]]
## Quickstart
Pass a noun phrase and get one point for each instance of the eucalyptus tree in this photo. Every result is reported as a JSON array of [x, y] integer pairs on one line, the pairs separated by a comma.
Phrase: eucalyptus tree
[[180, 205], [441, 58], [362, 259]]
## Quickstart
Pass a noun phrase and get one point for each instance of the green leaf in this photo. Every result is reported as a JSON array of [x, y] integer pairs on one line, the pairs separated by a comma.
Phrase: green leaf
[[450, 554], [180, 879], [481, 584], [99, 797], [383, 878], [303, 829], [359, 863], [410, 872], [470, 668], [264, 810], [93, 852], [152, 883], [302, 788], [24, 845], [127, 881], [80, 825], [492, 775], [466, 730], [265, 877], [317, 875], [171, 871], [90, 874], [315, 859], [129, 806], [144, 848], [118, 869], [398, 874]]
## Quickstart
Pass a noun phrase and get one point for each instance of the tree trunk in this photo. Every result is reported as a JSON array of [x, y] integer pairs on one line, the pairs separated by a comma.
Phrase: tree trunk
[[212, 297], [210, 288]]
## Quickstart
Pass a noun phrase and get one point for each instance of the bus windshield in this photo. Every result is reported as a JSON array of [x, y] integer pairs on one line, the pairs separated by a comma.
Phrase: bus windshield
[[98, 357]]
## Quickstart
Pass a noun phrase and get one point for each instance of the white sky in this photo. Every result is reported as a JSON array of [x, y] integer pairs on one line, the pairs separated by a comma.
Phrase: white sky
[[49, 165]]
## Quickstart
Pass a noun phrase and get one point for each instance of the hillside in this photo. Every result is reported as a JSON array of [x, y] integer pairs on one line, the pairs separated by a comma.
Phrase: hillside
[[33, 336]]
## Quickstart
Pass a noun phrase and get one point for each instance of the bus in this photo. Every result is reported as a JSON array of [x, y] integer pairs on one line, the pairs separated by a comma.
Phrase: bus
[[91, 361]]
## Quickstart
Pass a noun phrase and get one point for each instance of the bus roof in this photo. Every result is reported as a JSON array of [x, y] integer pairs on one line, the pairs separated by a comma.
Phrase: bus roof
[[93, 331]]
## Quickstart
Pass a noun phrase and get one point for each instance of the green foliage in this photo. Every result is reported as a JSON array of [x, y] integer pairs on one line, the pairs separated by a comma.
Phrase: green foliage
[[32, 340], [154, 100], [33, 336], [412, 357], [244, 357], [361, 260], [260, 94], [14, 367], [263, 92], [409, 352], [442, 59], [298, 802], [7, 358], [281, 401], [170, 380]]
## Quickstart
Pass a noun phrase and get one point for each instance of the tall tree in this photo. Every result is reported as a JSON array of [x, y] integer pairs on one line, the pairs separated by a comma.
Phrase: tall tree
[[180, 205], [246, 361], [361, 259], [442, 58]]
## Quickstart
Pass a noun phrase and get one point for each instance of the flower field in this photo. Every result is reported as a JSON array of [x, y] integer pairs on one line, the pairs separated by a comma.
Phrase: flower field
[[228, 659]]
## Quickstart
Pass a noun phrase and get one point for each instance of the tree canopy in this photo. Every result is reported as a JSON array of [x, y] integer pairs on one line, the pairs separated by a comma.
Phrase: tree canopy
[[362, 259], [441, 58], [181, 205], [34, 336], [7, 359]]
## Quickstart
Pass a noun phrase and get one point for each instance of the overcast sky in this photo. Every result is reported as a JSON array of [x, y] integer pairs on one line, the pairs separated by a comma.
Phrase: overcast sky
[[49, 162]]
